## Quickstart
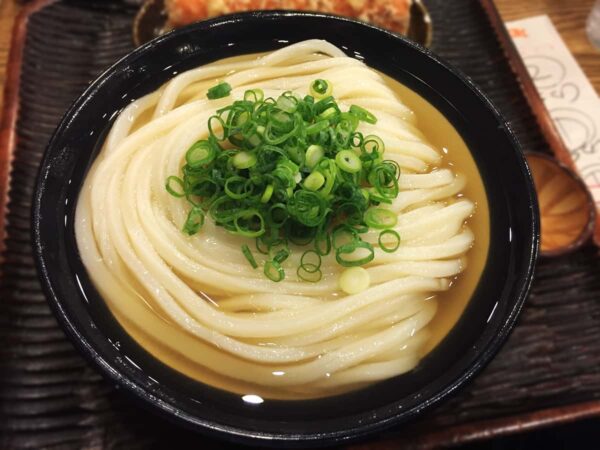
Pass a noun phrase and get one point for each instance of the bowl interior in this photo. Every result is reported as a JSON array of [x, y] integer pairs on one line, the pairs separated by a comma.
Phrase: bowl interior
[[476, 337]]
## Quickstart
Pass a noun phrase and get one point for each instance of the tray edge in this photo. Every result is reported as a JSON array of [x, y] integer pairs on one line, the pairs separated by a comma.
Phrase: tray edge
[[10, 107]]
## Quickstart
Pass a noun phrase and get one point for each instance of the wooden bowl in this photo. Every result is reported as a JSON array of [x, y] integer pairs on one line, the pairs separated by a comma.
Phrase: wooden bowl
[[567, 208]]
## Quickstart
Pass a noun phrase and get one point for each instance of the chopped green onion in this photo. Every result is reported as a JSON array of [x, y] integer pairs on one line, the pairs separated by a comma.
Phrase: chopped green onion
[[354, 280], [373, 144], [273, 271], [277, 245], [310, 261], [363, 114], [314, 154], [237, 187], [328, 113], [342, 235], [254, 95], [291, 169], [384, 178], [267, 194], [171, 189], [216, 121], [380, 218], [244, 160], [219, 91], [259, 248], [281, 255], [323, 243], [354, 254], [248, 254], [307, 207], [278, 214], [194, 221], [365, 194], [317, 127], [321, 88], [311, 276], [348, 161], [199, 154], [396, 241], [288, 104], [314, 181], [249, 223]]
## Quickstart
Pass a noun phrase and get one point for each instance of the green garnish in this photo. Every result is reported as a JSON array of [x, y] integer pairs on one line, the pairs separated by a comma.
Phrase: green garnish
[[363, 114], [348, 161], [174, 186], [395, 240], [219, 91], [273, 271], [314, 181], [314, 154], [310, 261], [321, 88], [248, 254], [244, 160], [291, 170], [380, 218], [194, 221], [355, 253], [199, 154], [311, 277]]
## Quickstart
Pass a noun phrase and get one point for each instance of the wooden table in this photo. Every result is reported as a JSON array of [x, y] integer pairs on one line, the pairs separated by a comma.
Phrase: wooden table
[[567, 15]]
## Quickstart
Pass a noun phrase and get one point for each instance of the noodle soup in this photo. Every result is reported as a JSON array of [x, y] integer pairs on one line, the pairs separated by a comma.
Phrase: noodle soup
[[195, 300]]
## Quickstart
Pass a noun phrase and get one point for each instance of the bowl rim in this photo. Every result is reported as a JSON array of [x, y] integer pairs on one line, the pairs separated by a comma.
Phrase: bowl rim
[[146, 398]]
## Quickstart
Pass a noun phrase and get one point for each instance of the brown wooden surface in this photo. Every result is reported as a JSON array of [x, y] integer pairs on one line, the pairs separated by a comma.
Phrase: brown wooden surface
[[8, 11], [568, 16]]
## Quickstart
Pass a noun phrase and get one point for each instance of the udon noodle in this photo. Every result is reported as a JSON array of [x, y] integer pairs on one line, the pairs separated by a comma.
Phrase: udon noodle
[[195, 301]]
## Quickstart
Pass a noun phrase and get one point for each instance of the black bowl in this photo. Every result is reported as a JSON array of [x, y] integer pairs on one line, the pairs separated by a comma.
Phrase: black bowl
[[479, 333]]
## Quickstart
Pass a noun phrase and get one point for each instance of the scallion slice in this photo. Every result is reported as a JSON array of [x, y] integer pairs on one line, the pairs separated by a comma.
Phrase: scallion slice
[[314, 181], [194, 221], [175, 186], [310, 261], [244, 160], [248, 254], [314, 154], [348, 161], [199, 154], [354, 280], [380, 218], [363, 114], [219, 91], [356, 253], [273, 271], [395, 241], [311, 276], [321, 88]]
